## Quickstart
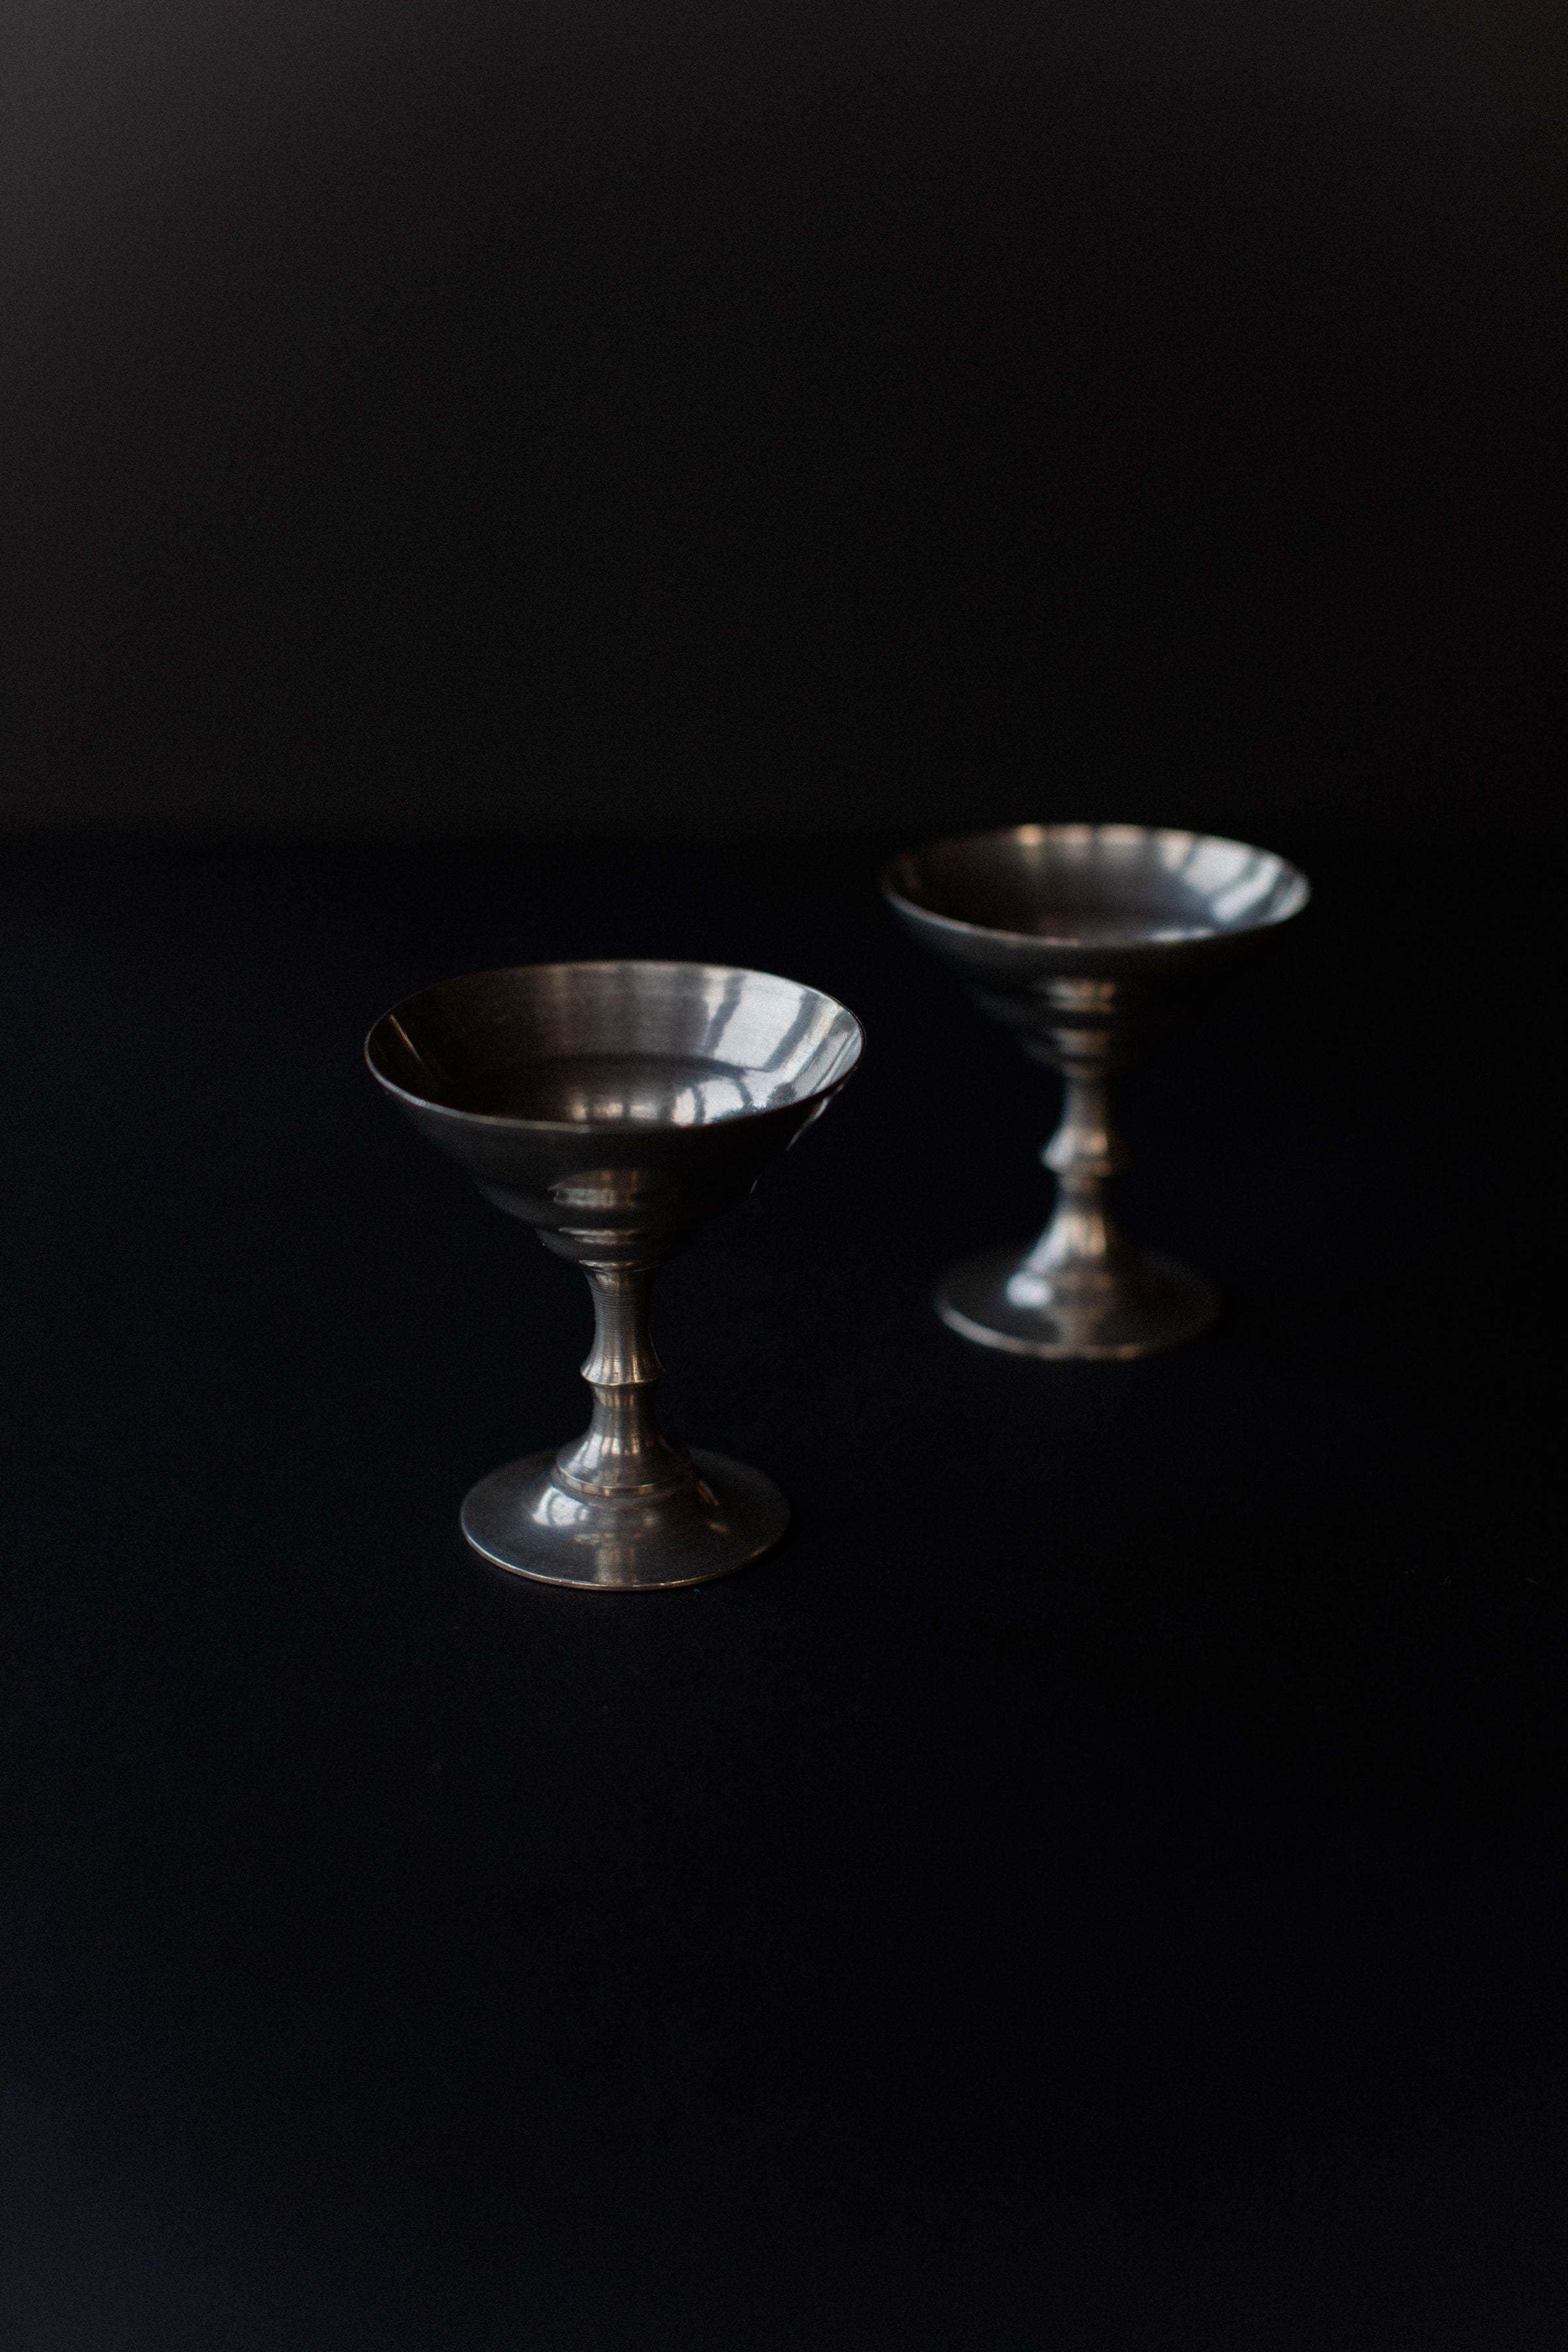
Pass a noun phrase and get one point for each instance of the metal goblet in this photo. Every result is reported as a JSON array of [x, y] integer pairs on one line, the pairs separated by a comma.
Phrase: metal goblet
[[1088, 941], [616, 1106]]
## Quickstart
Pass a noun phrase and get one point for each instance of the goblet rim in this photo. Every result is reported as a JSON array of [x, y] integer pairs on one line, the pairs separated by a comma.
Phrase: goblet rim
[[855, 1042], [1138, 947]]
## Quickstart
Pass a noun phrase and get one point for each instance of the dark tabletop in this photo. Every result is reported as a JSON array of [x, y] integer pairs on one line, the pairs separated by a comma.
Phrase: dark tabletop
[[1096, 1886]]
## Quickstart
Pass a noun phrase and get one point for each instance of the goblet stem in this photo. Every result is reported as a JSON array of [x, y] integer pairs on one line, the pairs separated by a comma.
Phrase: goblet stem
[[623, 1509], [624, 1451], [1082, 1249]]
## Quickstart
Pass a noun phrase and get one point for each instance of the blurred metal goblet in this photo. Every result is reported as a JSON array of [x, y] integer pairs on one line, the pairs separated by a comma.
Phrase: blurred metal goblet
[[1088, 941], [616, 1106]]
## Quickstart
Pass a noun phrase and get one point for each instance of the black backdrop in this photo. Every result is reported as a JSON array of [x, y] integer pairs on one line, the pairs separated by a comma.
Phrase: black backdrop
[[780, 416]]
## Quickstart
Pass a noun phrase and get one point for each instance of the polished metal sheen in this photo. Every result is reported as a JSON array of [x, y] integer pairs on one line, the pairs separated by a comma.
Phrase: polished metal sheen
[[616, 1106], [1088, 941]]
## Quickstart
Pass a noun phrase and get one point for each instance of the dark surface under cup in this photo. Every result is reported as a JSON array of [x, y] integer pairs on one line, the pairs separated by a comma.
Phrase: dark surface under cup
[[1096, 1885]]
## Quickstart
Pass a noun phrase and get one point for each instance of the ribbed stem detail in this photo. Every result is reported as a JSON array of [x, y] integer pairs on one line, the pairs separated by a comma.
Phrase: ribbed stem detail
[[1082, 1250], [623, 1452]]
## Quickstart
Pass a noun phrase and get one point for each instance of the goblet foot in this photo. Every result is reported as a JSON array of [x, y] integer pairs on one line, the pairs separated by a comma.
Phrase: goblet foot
[[996, 1301], [524, 1517]]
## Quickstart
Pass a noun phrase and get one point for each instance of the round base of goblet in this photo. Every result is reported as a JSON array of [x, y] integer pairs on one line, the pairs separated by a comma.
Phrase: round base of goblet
[[524, 1518], [997, 1302]]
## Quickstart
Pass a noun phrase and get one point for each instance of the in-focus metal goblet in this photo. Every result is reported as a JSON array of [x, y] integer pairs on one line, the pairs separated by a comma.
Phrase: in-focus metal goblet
[[616, 1106], [1088, 941]]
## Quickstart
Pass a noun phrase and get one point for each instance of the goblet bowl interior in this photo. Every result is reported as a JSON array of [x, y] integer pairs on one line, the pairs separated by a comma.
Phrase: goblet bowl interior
[[578, 1046], [1097, 886]]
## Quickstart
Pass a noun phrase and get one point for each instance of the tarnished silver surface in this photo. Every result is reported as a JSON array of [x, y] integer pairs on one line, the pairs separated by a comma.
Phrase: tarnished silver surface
[[616, 1106], [1088, 941]]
